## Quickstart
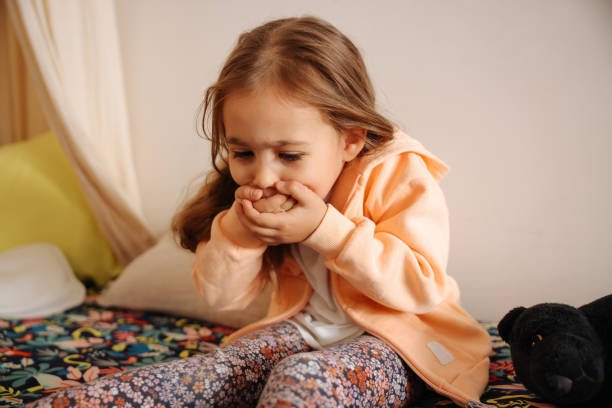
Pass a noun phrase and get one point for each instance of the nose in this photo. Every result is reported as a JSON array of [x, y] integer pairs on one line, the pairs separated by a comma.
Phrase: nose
[[264, 176]]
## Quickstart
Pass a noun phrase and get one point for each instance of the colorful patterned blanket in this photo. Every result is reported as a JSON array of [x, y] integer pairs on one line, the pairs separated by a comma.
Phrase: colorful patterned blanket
[[42, 356]]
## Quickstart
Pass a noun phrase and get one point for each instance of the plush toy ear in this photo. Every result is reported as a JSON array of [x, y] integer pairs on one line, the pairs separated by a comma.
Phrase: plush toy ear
[[505, 325]]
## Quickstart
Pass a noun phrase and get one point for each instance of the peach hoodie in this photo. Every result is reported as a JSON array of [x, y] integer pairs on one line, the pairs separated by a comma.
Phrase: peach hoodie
[[385, 239]]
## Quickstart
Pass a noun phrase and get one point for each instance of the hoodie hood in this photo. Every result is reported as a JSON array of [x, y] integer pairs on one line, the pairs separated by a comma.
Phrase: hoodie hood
[[402, 143]]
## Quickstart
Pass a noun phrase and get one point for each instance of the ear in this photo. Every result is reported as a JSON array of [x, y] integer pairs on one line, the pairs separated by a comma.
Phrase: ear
[[507, 323], [353, 141]]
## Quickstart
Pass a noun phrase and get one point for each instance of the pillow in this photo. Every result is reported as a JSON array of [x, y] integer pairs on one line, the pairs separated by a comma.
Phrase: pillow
[[42, 202], [160, 280], [37, 281]]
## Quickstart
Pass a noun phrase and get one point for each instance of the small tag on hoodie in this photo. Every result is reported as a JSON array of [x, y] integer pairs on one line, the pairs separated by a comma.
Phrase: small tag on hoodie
[[442, 354]]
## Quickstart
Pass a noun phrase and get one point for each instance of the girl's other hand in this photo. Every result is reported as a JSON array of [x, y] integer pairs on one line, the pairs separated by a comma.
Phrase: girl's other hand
[[288, 226], [268, 200], [273, 202], [248, 193]]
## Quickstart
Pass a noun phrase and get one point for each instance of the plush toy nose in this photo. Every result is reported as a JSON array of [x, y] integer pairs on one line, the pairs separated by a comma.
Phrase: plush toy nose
[[560, 384]]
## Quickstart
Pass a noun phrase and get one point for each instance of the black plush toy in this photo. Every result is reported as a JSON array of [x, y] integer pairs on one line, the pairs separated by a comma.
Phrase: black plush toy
[[561, 353]]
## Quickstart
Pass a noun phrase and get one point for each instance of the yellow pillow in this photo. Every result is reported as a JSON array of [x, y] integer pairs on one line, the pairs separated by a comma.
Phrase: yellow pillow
[[41, 201]]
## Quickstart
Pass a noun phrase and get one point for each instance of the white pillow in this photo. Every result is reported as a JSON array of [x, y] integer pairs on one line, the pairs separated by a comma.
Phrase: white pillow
[[160, 280], [37, 281]]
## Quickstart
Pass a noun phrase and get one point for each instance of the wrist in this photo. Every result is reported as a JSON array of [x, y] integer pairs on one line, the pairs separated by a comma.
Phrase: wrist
[[329, 237], [317, 220], [236, 232]]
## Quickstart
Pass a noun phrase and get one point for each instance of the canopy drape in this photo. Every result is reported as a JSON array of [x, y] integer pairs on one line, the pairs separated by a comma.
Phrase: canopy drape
[[21, 115], [71, 48]]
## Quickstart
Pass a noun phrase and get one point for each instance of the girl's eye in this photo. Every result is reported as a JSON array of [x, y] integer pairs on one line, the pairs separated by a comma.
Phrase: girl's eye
[[242, 154], [290, 156]]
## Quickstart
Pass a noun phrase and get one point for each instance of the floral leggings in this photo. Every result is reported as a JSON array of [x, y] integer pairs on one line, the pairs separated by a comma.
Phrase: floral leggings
[[271, 367]]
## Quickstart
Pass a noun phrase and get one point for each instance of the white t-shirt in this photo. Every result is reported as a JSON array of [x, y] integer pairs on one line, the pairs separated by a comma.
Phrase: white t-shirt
[[322, 322]]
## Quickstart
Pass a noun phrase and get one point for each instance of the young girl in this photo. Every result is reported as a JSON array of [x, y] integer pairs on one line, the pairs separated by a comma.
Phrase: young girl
[[318, 194]]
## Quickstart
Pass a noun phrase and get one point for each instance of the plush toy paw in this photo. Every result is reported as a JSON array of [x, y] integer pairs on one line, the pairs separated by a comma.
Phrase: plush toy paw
[[562, 353]]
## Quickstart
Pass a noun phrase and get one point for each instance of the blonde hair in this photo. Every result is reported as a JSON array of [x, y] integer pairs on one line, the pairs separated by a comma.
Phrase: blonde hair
[[308, 60]]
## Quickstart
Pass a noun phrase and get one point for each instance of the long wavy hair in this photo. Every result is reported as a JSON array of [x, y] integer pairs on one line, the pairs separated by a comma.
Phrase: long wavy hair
[[310, 61]]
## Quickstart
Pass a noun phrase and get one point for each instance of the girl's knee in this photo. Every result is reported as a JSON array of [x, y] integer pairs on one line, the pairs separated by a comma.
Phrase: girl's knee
[[301, 366], [300, 380]]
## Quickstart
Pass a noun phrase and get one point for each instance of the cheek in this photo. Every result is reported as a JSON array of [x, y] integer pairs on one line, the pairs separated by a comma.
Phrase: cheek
[[238, 173], [321, 174], [320, 182]]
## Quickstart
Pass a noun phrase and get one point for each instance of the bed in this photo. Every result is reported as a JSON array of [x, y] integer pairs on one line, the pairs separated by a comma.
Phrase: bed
[[41, 356], [109, 331]]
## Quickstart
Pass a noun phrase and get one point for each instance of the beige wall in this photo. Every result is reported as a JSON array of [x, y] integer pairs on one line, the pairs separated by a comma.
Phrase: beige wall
[[515, 95]]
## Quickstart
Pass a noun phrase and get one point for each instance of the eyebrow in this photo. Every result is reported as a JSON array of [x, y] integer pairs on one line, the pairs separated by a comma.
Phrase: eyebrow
[[279, 143]]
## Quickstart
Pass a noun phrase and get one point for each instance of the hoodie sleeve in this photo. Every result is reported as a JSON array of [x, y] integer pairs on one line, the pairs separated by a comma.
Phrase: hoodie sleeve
[[227, 275], [396, 252]]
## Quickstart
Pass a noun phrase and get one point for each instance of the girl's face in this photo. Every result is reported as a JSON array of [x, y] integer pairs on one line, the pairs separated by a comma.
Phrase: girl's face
[[271, 138]]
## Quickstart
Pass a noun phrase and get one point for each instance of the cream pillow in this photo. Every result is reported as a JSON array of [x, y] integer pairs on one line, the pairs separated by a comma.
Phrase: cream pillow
[[37, 281], [160, 280]]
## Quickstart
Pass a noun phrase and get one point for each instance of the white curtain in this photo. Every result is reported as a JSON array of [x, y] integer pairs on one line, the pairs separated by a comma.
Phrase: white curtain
[[21, 115], [72, 50]]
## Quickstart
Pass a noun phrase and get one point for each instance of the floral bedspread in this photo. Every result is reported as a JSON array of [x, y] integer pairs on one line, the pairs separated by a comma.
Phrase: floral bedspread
[[41, 356]]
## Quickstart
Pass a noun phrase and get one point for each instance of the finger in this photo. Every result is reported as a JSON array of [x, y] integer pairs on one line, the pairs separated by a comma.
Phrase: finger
[[260, 206], [261, 232], [295, 189], [288, 204], [242, 217], [240, 193], [258, 231], [264, 220], [248, 193], [268, 192], [278, 201], [270, 204], [248, 213], [247, 209]]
